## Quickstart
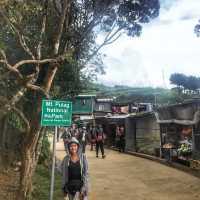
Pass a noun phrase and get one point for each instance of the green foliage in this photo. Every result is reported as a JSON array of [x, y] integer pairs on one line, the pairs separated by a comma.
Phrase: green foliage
[[21, 25], [15, 121], [184, 82], [197, 29], [78, 39], [41, 184], [178, 79], [69, 80], [125, 94], [132, 94], [45, 151]]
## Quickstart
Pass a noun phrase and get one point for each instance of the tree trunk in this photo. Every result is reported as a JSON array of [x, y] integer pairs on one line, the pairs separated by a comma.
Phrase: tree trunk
[[4, 130], [49, 78], [26, 176], [29, 161], [31, 147], [3, 143]]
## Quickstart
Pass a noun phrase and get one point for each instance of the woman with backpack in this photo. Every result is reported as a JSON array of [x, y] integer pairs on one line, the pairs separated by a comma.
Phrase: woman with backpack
[[75, 173], [100, 137], [92, 135]]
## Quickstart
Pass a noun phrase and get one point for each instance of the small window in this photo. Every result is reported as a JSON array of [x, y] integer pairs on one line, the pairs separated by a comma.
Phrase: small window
[[101, 107], [83, 102]]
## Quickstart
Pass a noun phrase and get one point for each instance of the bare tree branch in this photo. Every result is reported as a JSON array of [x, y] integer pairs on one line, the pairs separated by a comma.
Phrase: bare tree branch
[[107, 40], [111, 30], [66, 5], [9, 67], [19, 35], [111, 35], [56, 7], [4, 109], [116, 38], [20, 63], [26, 81], [43, 28], [37, 88]]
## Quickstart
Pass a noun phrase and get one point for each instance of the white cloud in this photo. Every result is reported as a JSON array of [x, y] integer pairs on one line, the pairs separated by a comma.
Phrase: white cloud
[[163, 48], [181, 10]]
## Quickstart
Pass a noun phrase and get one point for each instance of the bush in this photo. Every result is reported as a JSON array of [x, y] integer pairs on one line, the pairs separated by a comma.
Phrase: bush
[[41, 184], [45, 153]]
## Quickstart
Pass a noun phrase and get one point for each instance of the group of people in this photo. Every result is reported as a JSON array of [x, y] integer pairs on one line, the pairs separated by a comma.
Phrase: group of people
[[74, 167], [74, 132]]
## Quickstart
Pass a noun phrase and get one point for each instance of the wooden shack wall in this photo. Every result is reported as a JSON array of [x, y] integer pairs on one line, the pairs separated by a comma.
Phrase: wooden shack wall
[[147, 135], [130, 134]]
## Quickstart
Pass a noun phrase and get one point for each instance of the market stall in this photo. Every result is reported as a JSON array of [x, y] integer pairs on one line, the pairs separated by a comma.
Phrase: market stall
[[176, 142], [180, 132]]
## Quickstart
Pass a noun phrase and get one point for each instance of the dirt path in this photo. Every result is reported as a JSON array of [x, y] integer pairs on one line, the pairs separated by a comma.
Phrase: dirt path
[[8, 185], [121, 176]]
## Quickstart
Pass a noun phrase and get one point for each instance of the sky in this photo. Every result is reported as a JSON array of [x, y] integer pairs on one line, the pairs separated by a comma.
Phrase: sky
[[167, 45]]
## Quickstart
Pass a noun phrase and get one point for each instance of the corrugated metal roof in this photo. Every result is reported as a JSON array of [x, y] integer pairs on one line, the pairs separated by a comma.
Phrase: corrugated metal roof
[[117, 116], [105, 100], [87, 95]]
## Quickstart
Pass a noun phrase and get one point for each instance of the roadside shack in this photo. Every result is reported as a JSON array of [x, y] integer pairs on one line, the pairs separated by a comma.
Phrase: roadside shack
[[143, 133], [180, 131], [112, 122]]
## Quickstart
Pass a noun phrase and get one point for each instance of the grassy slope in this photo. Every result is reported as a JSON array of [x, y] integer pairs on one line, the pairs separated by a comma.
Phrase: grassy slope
[[126, 94]]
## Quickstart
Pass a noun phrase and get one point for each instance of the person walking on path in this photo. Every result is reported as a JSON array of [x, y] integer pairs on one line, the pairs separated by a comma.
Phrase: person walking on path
[[75, 132], [66, 136], [122, 139], [100, 141], [74, 170], [117, 137], [92, 134], [84, 138]]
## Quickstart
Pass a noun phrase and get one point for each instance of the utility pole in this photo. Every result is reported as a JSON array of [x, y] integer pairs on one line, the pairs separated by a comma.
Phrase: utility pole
[[93, 116]]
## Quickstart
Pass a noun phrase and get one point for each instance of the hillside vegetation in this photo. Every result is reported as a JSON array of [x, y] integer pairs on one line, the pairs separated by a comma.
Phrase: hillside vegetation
[[126, 94]]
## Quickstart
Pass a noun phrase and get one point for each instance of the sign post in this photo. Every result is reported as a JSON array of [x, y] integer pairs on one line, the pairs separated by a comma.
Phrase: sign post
[[55, 113], [53, 163]]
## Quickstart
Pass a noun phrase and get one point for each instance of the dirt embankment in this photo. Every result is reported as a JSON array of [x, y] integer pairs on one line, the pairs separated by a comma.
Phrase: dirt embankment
[[8, 184]]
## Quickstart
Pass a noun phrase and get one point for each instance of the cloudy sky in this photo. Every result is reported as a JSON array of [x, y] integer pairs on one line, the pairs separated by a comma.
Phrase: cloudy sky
[[167, 45]]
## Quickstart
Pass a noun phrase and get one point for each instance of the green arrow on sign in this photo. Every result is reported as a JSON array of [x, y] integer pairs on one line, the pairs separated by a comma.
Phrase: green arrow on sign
[[56, 113]]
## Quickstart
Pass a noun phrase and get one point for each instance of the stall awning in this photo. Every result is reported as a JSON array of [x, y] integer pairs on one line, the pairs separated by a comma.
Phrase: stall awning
[[195, 120]]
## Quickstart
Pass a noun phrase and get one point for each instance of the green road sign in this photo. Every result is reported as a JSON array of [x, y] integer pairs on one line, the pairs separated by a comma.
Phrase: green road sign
[[56, 113]]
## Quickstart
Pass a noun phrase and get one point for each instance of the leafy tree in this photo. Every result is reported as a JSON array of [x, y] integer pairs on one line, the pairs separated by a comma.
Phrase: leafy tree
[[190, 83], [197, 29], [55, 41], [178, 79]]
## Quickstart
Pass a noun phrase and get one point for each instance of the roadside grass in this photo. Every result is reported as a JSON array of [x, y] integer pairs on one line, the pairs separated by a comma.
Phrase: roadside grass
[[41, 184]]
